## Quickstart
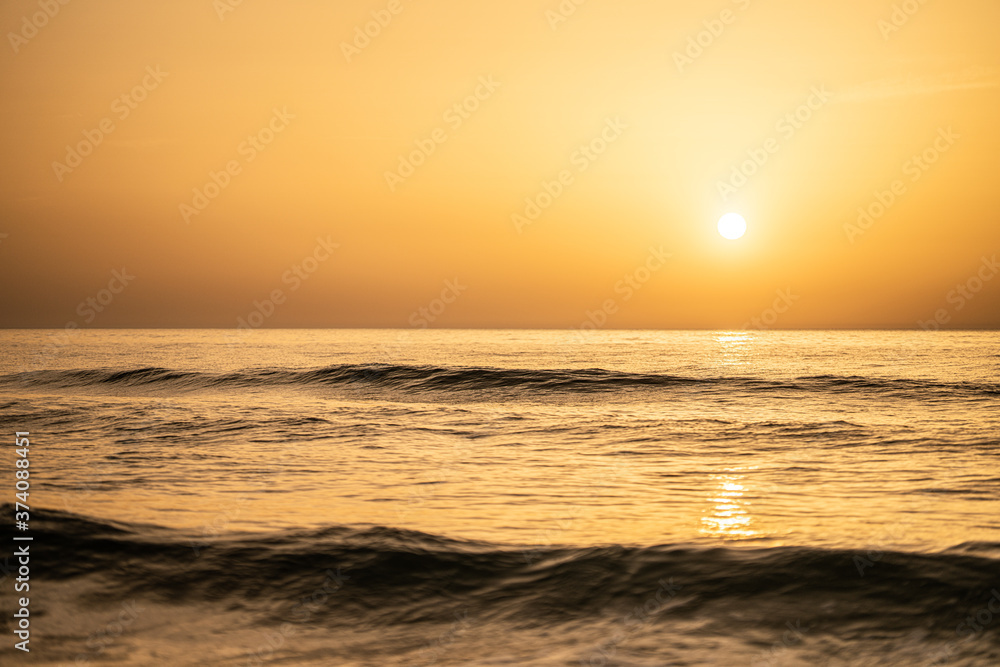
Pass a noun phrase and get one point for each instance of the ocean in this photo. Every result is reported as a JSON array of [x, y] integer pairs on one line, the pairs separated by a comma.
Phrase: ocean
[[420, 497]]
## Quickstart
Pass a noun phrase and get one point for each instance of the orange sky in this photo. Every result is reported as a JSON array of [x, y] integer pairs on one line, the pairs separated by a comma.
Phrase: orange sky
[[313, 209]]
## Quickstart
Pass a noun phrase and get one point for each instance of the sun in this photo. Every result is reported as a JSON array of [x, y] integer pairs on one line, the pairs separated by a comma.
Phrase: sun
[[732, 226]]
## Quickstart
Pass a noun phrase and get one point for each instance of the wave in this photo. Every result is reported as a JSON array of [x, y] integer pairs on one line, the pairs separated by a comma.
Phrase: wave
[[393, 576], [437, 378]]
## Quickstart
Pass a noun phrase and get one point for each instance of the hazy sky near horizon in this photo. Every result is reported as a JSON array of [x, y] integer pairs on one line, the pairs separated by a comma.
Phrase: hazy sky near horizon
[[499, 164]]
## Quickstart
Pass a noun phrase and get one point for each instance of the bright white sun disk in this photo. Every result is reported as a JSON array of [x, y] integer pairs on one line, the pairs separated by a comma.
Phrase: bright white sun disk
[[732, 226]]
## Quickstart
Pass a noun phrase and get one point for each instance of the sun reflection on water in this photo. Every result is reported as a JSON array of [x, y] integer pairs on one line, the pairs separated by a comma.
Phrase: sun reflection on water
[[736, 347], [729, 517]]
